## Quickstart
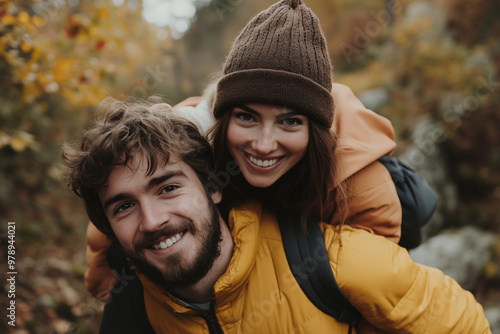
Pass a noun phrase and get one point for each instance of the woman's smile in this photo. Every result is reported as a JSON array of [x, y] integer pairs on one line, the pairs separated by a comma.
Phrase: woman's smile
[[262, 162], [266, 141]]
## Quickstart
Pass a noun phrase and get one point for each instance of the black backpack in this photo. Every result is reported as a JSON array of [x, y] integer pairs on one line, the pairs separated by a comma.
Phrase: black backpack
[[306, 250], [418, 200]]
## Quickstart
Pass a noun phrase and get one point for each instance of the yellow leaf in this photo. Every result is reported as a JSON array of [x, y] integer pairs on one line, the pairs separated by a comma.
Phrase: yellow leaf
[[23, 17], [102, 13], [21, 141], [491, 270], [4, 139], [8, 20], [35, 55], [18, 144], [94, 31], [62, 70], [83, 36], [43, 107], [25, 47], [43, 79], [38, 21], [31, 92]]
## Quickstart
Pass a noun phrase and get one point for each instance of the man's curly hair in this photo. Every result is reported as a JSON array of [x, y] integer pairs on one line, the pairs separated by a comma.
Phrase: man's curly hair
[[127, 129]]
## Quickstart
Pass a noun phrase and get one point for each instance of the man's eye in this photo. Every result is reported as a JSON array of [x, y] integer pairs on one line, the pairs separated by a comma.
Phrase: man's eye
[[123, 207], [169, 188]]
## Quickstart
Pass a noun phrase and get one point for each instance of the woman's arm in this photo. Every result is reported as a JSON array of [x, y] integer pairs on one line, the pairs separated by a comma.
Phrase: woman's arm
[[374, 204], [99, 278]]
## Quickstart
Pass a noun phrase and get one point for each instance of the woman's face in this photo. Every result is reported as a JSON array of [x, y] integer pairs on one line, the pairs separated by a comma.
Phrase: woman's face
[[266, 141]]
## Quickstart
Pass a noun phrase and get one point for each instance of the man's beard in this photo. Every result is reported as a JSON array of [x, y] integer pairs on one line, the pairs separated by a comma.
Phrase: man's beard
[[177, 273]]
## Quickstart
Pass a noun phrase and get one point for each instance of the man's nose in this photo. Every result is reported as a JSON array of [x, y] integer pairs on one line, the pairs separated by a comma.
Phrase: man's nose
[[154, 216], [265, 141]]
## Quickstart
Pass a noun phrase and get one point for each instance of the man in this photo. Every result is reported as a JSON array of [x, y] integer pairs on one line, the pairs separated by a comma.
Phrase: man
[[147, 179]]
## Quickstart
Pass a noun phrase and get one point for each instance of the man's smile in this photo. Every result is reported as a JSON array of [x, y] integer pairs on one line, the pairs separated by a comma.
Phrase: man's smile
[[168, 241]]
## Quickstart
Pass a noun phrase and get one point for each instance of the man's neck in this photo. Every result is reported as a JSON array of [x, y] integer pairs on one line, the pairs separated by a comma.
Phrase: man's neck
[[202, 291]]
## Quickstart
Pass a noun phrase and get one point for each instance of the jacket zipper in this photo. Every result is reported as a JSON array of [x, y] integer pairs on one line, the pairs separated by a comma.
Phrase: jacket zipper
[[211, 319]]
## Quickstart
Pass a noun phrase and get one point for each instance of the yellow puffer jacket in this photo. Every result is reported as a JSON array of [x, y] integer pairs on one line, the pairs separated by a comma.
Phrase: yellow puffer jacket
[[258, 293]]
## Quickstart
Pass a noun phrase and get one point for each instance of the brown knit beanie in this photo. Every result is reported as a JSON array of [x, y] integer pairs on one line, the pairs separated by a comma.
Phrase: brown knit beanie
[[279, 58]]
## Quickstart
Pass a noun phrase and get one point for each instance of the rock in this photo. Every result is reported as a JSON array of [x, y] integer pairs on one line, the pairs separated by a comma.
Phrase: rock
[[493, 316], [429, 18], [461, 254], [375, 98], [70, 295], [425, 156], [59, 264], [45, 301], [61, 326]]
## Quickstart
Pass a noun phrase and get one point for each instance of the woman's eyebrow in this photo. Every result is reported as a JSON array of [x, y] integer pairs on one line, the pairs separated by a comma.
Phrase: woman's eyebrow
[[255, 112], [289, 114], [248, 109]]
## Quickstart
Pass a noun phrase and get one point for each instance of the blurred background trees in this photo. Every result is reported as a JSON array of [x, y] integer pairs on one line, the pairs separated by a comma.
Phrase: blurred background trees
[[430, 66]]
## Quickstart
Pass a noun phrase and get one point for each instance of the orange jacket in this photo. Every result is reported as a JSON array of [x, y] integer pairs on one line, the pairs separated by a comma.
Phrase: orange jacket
[[363, 137]]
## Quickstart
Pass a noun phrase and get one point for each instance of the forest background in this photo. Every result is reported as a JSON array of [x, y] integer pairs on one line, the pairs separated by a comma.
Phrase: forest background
[[415, 62]]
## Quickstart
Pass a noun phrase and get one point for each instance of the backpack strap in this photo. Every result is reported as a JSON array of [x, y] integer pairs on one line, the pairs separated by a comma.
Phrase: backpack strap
[[308, 260], [125, 310]]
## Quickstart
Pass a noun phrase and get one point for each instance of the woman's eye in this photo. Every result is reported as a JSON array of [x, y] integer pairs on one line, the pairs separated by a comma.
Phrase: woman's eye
[[245, 117], [291, 121]]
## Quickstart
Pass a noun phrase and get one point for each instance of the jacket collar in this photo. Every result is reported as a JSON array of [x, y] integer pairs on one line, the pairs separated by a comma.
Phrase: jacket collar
[[244, 223]]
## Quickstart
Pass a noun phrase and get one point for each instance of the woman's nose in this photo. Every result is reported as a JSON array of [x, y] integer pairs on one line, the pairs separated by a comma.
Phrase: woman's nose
[[265, 141]]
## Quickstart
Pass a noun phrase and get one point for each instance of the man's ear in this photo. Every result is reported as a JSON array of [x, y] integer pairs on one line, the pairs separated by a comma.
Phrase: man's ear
[[216, 196]]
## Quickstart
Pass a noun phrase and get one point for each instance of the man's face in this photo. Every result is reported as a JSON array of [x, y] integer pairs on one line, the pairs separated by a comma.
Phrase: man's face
[[165, 222]]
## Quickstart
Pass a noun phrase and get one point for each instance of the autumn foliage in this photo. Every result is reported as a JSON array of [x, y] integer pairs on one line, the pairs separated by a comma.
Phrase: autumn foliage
[[59, 59]]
